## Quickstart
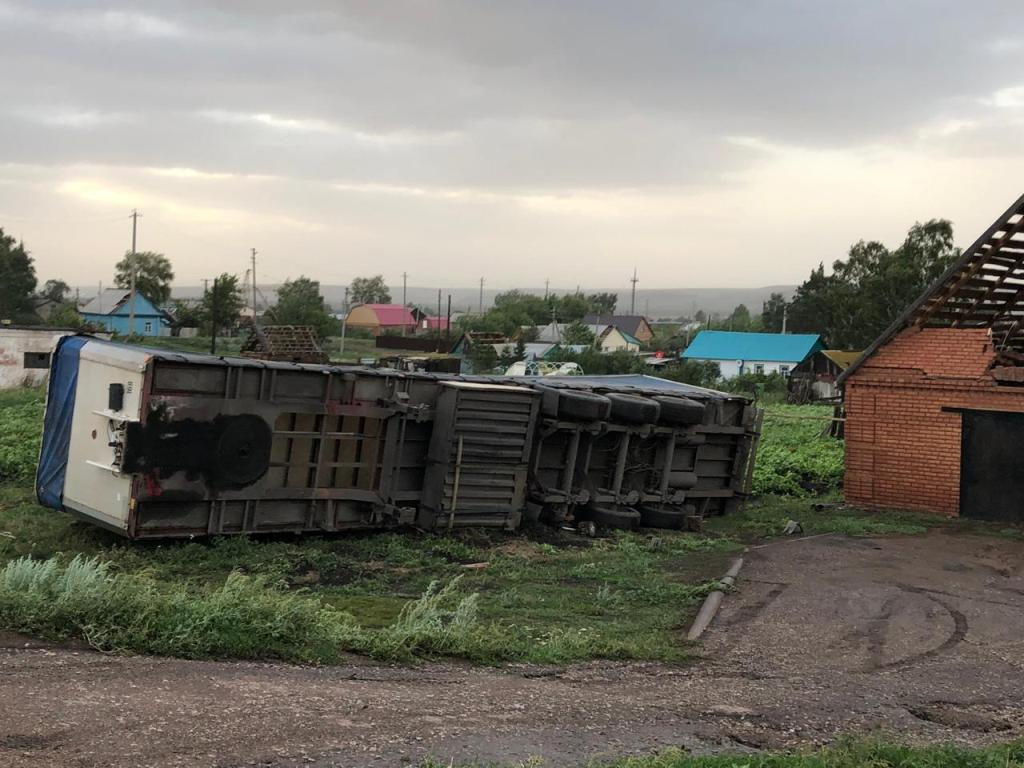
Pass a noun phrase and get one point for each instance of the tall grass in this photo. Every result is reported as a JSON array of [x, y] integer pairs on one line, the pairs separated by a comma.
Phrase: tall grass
[[21, 418], [246, 618], [130, 612]]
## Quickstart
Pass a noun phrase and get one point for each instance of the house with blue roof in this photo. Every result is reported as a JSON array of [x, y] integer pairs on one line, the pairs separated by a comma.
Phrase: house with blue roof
[[112, 311], [737, 353]]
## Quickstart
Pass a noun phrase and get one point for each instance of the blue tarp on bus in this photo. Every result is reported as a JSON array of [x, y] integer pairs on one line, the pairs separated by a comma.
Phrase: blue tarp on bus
[[60, 405]]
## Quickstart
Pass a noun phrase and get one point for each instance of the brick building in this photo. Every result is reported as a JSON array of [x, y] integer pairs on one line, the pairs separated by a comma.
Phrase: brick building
[[935, 406]]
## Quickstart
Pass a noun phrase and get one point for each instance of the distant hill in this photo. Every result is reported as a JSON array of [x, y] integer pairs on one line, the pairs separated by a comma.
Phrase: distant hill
[[661, 303]]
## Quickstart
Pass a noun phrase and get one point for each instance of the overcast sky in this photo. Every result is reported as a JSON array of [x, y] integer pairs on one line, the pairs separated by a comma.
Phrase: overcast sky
[[725, 143]]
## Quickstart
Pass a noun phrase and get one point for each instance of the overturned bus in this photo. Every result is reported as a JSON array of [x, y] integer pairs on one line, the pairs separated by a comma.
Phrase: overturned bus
[[152, 443]]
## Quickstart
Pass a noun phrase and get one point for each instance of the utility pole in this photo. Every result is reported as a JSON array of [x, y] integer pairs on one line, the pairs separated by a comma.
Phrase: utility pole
[[439, 316], [344, 324], [546, 282], [448, 323], [213, 319], [632, 303], [405, 302], [254, 287], [481, 296], [785, 312], [131, 301]]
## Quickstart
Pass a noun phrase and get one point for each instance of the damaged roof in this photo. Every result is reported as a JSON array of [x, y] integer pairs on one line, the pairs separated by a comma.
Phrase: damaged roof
[[984, 288]]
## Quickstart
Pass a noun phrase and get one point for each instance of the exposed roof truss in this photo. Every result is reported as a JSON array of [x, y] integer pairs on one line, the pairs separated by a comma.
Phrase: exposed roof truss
[[985, 288]]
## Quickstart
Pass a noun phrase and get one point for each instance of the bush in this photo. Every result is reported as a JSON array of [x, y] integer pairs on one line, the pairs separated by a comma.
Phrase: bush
[[762, 386], [700, 373], [21, 429]]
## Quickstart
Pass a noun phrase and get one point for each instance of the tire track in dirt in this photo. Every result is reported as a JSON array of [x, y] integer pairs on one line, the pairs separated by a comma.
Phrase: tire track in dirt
[[879, 627]]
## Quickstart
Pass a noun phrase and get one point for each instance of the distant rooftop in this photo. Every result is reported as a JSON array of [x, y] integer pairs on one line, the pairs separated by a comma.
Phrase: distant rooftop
[[734, 345]]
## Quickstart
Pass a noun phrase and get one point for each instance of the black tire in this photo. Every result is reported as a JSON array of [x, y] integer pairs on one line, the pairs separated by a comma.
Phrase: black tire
[[633, 409], [241, 453], [583, 406], [574, 404], [680, 410], [612, 517], [673, 519]]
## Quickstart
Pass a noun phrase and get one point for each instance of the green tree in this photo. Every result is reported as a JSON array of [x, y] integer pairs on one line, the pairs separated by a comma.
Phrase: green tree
[[483, 357], [65, 315], [603, 303], [772, 313], [370, 290], [55, 291], [520, 352], [153, 275], [17, 281], [224, 296], [299, 302], [188, 314], [571, 307], [507, 357], [577, 333], [739, 319], [867, 292]]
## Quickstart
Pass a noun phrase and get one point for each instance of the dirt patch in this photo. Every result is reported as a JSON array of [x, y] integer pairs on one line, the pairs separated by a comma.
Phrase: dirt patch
[[822, 637]]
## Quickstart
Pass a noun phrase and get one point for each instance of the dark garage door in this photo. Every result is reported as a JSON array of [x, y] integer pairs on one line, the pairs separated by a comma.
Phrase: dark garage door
[[992, 466]]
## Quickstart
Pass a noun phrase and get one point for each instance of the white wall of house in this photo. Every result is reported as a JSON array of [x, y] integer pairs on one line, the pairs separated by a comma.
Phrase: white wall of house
[[25, 355], [732, 368], [614, 341]]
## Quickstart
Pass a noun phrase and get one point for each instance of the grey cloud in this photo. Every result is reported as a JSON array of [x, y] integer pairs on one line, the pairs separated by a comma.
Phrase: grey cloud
[[462, 119], [634, 94]]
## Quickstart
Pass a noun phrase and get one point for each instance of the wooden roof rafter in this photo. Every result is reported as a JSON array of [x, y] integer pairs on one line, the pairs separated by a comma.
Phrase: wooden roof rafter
[[984, 288]]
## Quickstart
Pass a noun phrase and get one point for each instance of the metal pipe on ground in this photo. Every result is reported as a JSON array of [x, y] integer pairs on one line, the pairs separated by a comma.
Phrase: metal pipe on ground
[[713, 601]]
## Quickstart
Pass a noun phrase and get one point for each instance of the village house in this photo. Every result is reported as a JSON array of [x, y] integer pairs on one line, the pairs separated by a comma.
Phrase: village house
[[763, 353], [611, 338], [111, 310], [633, 325], [816, 377], [382, 318], [935, 406]]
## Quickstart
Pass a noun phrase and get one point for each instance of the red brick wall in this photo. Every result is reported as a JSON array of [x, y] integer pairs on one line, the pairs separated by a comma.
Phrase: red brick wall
[[902, 449]]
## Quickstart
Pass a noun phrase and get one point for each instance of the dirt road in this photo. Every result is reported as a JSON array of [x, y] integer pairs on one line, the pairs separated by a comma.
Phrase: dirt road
[[922, 636]]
